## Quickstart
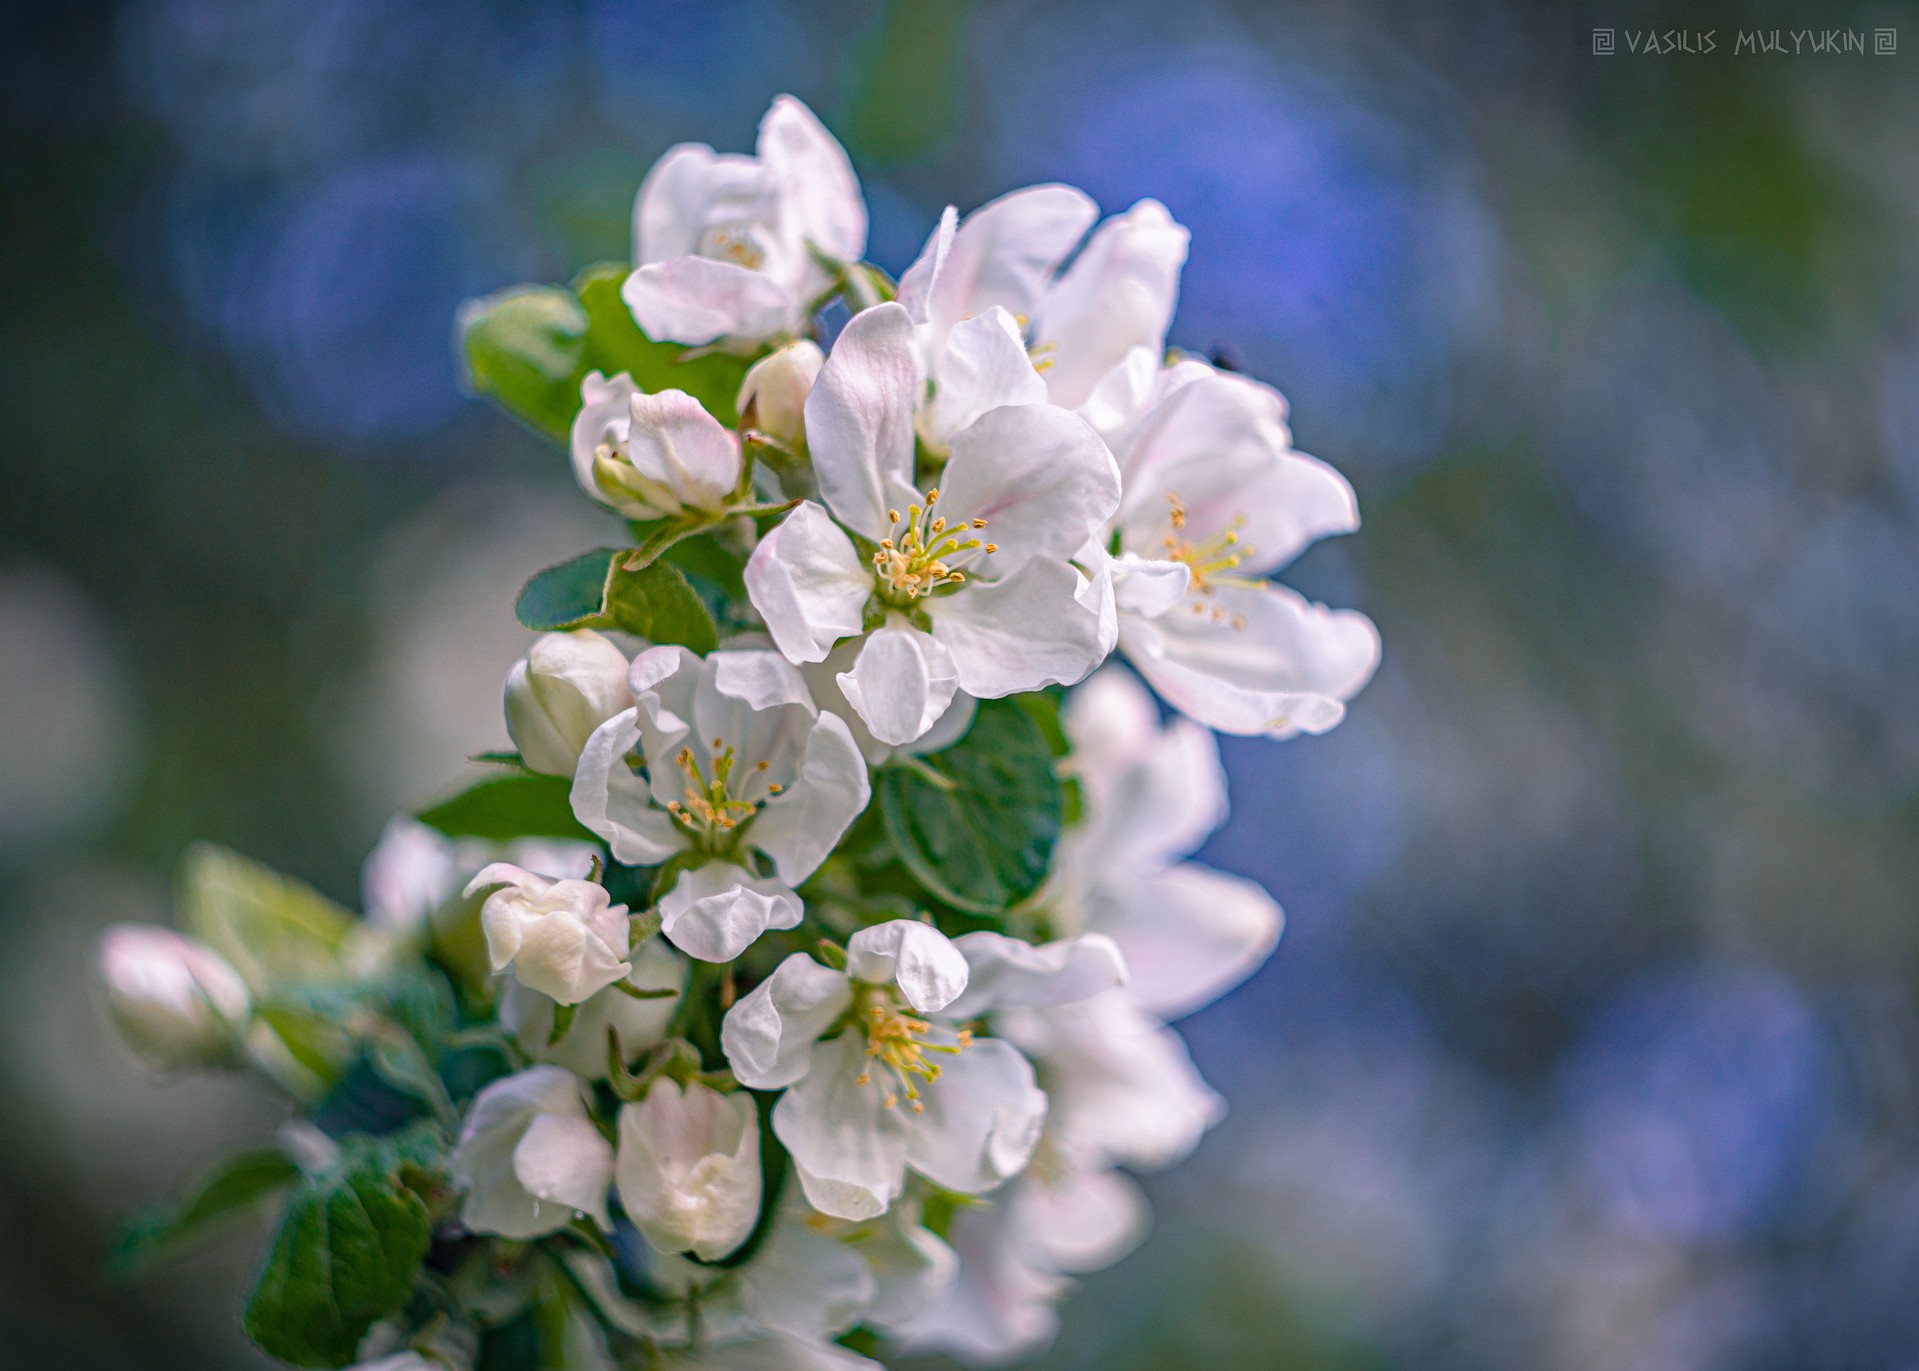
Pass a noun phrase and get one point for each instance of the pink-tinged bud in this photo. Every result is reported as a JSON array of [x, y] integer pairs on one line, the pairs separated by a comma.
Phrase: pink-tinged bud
[[177, 1002]]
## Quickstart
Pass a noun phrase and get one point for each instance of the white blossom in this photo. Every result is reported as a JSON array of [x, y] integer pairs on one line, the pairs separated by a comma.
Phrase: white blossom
[[567, 685], [565, 939], [817, 1276], [688, 1167], [529, 1158], [727, 248], [969, 584], [1215, 500], [876, 1083], [733, 758], [176, 1001], [651, 456]]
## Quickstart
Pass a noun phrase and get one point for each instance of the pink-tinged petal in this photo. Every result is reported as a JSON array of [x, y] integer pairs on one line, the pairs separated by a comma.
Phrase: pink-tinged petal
[[917, 284], [1025, 632], [808, 583], [982, 1119], [1041, 479], [696, 300], [1118, 294], [901, 684], [1255, 661], [768, 1036], [1005, 973], [819, 195], [680, 194], [859, 419], [920, 959], [1193, 933], [673, 441]]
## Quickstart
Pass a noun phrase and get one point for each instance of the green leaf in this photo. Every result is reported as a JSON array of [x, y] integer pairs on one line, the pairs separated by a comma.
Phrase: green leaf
[[236, 1184], [502, 808], [272, 928], [614, 343], [570, 595], [976, 823], [597, 590], [526, 348], [348, 1253]]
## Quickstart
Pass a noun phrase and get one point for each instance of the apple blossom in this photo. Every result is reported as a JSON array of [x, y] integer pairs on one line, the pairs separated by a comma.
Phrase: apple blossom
[[1215, 499], [565, 939], [688, 1168], [733, 758], [528, 1157], [582, 1049], [852, 1047], [176, 1001], [567, 685], [965, 586], [729, 249]]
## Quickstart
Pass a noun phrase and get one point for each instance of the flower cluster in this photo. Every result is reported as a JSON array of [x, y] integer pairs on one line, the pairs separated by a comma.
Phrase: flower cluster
[[799, 987]]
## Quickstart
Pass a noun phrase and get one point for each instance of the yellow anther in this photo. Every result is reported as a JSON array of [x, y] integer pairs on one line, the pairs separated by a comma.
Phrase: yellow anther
[[979, 523], [1209, 560], [923, 552], [708, 807]]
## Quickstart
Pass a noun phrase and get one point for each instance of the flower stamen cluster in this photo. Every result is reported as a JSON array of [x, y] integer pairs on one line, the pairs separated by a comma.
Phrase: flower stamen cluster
[[920, 559], [897, 1042], [708, 807]]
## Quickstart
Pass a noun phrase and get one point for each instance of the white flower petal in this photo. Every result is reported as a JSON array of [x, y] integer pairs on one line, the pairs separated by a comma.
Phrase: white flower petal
[[1025, 632], [808, 583], [1041, 479], [1148, 586], [567, 685], [680, 194], [984, 366], [982, 1121], [1152, 794], [805, 1283], [562, 1159], [1003, 254], [618, 805], [528, 1015], [901, 683], [847, 1146], [689, 1168], [928, 968], [484, 1159], [1194, 934], [696, 300], [675, 443], [715, 912], [1001, 1307], [768, 1035], [823, 679], [1121, 1086], [1005, 973], [1079, 1220], [1287, 668], [917, 284], [859, 419], [1118, 294], [800, 826], [813, 177]]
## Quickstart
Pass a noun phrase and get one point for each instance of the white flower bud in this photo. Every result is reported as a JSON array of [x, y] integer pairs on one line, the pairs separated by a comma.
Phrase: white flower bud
[[651, 456], [773, 396], [177, 1002], [529, 1158], [567, 685], [565, 939], [688, 1168]]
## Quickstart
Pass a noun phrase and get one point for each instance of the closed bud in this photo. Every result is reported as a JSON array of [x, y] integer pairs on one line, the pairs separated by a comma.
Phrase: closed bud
[[177, 1002], [567, 685], [688, 1168], [651, 456], [773, 396], [565, 939]]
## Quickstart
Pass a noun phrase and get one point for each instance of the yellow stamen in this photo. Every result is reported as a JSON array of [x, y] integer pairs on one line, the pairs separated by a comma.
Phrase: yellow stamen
[[922, 552], [1210, 560]]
